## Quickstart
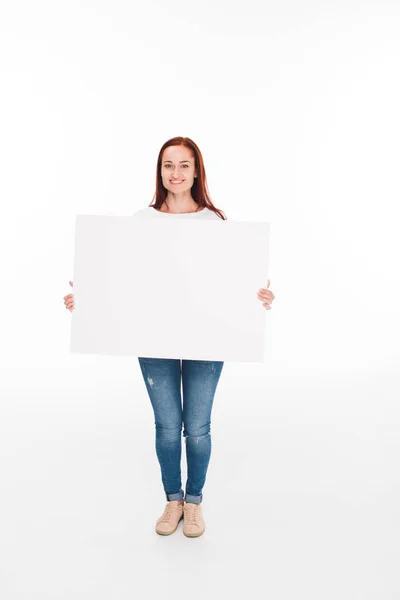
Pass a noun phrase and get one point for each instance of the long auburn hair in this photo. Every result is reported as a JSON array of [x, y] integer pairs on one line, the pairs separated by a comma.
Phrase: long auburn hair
[[199, 189]]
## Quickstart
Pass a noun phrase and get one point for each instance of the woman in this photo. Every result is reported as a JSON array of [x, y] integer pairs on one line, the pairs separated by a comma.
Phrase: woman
[[181, 189]]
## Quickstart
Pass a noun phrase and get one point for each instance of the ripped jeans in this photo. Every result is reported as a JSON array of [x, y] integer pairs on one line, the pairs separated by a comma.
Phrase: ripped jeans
[[163, 377]]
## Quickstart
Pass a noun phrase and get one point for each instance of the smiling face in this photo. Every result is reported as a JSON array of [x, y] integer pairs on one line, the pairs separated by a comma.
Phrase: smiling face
[[178, 169]]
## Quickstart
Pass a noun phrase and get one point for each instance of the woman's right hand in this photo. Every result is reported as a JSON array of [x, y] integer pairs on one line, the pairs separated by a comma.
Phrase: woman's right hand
[[69, 299]]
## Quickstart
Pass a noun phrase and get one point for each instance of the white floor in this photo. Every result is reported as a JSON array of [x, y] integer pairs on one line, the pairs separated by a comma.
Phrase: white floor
[[301, 500]]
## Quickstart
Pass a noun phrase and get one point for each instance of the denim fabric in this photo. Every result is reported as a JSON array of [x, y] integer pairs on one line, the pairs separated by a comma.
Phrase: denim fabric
[[199, 378]]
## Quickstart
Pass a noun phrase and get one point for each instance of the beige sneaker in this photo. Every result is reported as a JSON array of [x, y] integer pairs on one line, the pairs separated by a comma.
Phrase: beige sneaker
[[168, 522], [193, 522]]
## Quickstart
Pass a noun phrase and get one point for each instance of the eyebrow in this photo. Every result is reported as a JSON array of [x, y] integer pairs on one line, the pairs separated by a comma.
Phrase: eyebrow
[[179, 161]]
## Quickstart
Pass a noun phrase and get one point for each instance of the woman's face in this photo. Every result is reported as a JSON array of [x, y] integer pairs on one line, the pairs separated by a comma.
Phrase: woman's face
[[177, 169]]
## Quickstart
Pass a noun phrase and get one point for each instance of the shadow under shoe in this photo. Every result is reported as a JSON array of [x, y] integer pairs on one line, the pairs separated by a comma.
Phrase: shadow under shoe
[[169, 520]]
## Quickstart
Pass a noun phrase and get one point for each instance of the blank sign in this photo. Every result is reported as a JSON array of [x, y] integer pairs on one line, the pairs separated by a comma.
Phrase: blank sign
[[169, 288]]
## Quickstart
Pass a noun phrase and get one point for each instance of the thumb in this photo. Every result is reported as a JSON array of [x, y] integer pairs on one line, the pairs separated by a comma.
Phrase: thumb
[[268, 282], [71, 283]]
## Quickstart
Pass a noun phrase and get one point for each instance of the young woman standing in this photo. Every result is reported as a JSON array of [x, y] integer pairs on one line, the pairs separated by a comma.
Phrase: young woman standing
[[181, 189]]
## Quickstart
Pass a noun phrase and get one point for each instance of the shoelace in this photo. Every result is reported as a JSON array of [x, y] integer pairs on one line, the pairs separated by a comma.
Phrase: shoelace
[[191, 515], [168, 513]]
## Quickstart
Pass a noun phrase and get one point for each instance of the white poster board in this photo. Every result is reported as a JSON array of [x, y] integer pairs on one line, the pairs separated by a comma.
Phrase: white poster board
[[169, 288]]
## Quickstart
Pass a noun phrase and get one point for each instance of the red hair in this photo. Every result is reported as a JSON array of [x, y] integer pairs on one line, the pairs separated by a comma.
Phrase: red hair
[[199, 188]]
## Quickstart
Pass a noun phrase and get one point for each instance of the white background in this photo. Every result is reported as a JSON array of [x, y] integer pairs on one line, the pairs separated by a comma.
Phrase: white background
[[294, 106]]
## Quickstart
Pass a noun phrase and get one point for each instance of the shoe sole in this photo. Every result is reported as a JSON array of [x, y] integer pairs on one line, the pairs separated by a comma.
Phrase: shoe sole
[[169, 532], [194, 534]]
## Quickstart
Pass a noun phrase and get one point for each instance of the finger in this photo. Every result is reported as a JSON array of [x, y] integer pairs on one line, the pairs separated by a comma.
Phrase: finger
[[267, 294]]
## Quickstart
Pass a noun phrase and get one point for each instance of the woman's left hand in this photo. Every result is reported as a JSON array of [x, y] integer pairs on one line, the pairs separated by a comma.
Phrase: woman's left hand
[[266, 296]]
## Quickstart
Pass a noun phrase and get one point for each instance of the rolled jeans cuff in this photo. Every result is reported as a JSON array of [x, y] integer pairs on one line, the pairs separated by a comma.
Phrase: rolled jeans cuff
[[176, 496], [193, 499]]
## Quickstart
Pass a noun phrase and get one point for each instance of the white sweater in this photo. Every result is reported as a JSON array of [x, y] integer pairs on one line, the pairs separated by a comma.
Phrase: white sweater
[[150, 212]]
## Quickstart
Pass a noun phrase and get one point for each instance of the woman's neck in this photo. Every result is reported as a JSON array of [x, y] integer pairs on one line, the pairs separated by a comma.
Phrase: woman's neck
[[179, 207]]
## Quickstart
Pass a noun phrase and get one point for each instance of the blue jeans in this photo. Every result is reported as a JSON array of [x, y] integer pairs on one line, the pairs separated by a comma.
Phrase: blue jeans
[[163, 377]]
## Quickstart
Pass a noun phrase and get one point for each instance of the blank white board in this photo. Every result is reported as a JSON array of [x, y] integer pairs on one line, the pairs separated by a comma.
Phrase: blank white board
[[172, 288]]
